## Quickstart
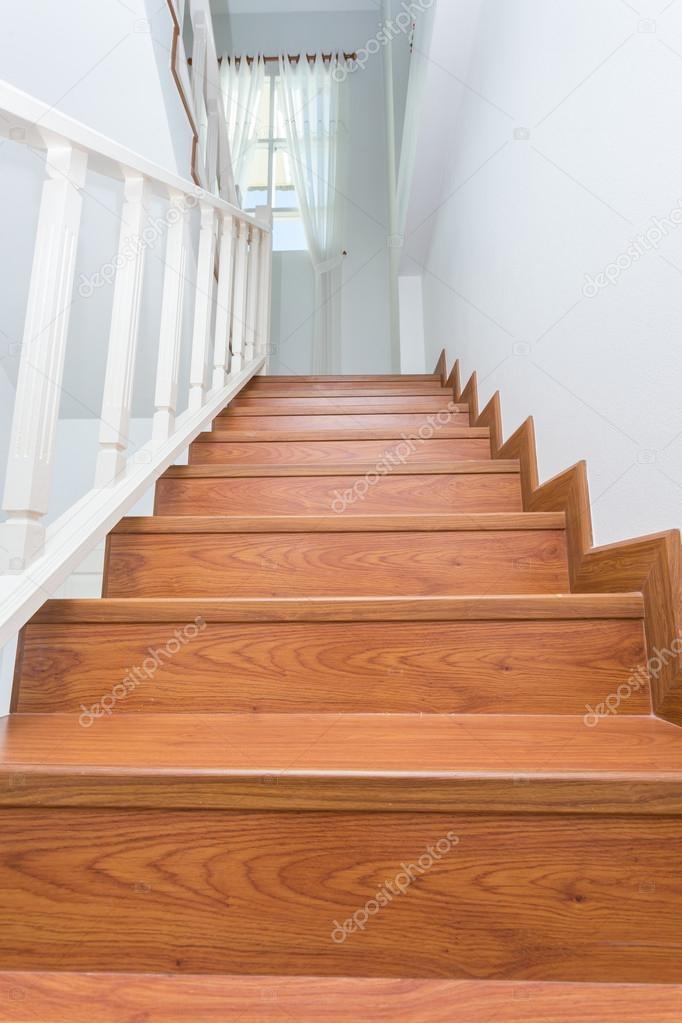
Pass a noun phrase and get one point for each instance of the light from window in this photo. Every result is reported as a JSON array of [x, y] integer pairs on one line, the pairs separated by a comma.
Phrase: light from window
[[270, 179]]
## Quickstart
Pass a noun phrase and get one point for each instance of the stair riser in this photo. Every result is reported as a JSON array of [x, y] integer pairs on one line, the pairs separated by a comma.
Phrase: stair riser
[[391, 453], [346, 421], [552, 667], [262, 893], [339, 404], [335, 564], [339, 494]]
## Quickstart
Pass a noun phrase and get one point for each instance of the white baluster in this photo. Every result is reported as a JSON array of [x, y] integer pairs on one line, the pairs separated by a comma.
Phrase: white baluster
[[203, 308], [223, 315], [264, 215], [253, 290], [123, 335], [166, 393], [239, 307], [212, 145], [41, 369]]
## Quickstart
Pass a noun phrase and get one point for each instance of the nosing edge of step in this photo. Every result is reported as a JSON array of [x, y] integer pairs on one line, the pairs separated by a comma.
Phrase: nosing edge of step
[[560, 607]]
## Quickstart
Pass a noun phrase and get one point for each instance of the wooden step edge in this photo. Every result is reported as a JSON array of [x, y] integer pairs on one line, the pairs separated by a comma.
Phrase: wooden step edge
[[234, 411], [157, 998], [469, 522], [560, 607], [349, 377], [361, 393], [584, 793], [342, 469], [361, 433]]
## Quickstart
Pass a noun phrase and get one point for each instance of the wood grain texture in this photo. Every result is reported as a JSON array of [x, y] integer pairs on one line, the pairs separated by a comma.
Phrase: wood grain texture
[[245, 406], [423, 494], [393, 434], [340, 469], [441, 369], [335, 564], [379, 453], [357, 391], [340, 423], [250, 892], [478, 522], [158, 998], [552, 607], [549, 667], [650, 563]]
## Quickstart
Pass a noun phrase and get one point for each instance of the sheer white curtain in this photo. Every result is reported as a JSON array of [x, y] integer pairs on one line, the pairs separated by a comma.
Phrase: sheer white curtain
[[312, 99], [241, 84]]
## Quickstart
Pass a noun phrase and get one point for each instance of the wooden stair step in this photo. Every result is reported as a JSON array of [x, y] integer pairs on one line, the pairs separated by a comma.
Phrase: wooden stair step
[[543, 655], [155, 998], [341, 424], [176, 556], [348, 405], [383, 455], [348, 433], [433, 468], [454, 763], [352, 390], [198, 491], [400, 378]]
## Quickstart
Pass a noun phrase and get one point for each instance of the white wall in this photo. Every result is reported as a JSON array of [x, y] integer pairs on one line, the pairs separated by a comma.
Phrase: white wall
[[562, 139], [366, 347]]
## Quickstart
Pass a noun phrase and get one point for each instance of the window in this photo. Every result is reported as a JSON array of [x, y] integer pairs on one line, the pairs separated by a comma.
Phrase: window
[[270, 180]]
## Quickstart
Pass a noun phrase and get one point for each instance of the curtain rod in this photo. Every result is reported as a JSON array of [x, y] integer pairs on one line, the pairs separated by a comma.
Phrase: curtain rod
[[294, 58]]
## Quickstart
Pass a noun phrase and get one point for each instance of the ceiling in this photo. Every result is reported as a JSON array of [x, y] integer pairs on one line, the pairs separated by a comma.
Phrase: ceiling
[[282, 6]]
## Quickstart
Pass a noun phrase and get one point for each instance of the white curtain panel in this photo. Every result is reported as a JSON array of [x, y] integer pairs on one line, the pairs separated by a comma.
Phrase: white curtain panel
[[241, 85], [312, 97]]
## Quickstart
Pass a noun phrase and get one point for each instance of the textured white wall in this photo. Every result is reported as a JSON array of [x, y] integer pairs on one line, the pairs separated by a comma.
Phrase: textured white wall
[[563, 124]]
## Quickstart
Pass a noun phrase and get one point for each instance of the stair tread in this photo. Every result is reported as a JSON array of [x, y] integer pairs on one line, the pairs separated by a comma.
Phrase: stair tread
[[346, 744], [471, 608], [342, 469], [162, 998], [335, 523], [387, 433]]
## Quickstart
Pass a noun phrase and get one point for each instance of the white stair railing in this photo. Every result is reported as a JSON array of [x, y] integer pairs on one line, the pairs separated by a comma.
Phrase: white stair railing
[[232, 245], [199, 88]]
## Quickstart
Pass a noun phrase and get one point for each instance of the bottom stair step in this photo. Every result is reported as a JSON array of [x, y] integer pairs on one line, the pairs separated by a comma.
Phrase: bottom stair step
[[130, 998], [501, 763]]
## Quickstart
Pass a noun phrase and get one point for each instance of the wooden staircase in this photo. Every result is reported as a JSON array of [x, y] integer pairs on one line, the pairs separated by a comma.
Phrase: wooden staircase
[[357, 705]]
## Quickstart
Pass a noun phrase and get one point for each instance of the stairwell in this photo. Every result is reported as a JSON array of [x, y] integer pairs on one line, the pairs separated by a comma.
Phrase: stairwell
[[337, 716]]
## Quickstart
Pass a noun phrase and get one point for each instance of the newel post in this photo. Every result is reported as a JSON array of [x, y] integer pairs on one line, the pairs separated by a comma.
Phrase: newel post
[[172, 301], [41, 367], [203, 308], [223, 314], [123, 335], [239, 308], [253, 295], [263, 340]]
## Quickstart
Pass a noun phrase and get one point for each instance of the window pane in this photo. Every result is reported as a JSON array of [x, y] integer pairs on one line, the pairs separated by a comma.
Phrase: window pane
[[263, 121], [288, 234], [255, 197], [286, 199]]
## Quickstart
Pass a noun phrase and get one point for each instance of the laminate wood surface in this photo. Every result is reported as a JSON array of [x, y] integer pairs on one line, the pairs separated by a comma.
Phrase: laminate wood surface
[[162, 998], [533, 667], [334, 564], [477, 522], [348, 405], [246, 892], [547, 607], [346, 430], [378, 453], [443, 468], [340, 425], [291, 495], [349, 390]]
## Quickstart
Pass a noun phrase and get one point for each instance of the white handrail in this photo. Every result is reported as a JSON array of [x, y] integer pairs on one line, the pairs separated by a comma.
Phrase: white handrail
[[39, 559]]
